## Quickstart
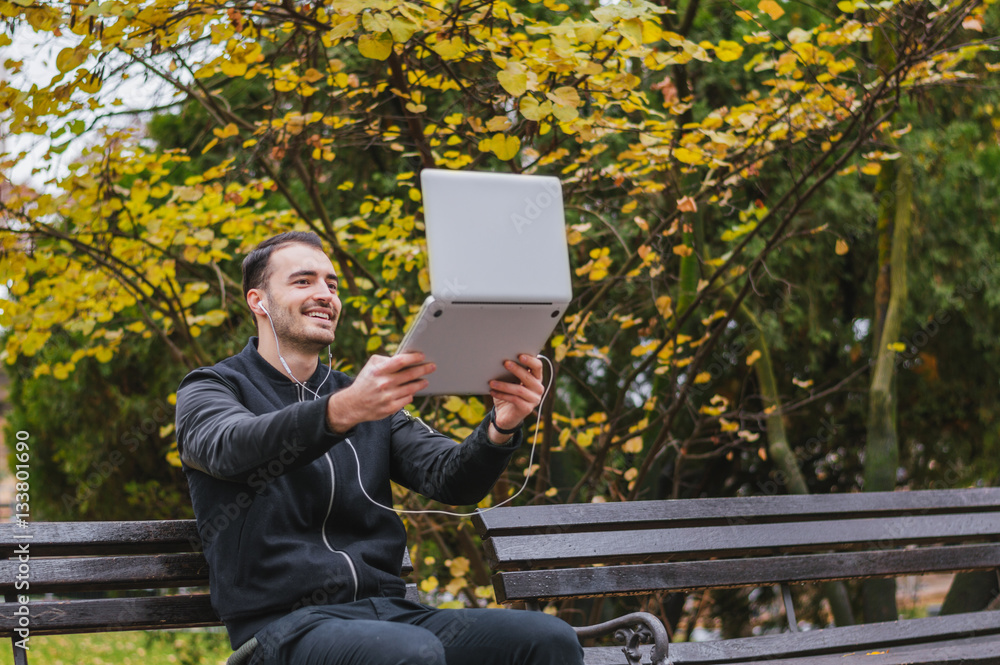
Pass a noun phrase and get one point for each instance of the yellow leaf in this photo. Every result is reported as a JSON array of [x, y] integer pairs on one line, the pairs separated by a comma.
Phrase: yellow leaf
[[631, 29], [504, 147], [71, 58], [704, 377], [841, 247], [532, 110], [215, 317], [450, 49], [683, 250], [402, 29], [651, 32], [871, 168], [227, 131], [209, 146], [377, 22], [772, 8], [728, 51], [687, 156], [429, 584], [565, 96], [664, 305], [375, 46], [847, 6], [752, 358], [458, 566], [514, 78], [899, 347], [802, 384], [633, 445]]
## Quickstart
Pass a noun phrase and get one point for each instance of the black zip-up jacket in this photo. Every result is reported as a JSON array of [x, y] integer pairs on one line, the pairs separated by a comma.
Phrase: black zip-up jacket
[[282, 518]]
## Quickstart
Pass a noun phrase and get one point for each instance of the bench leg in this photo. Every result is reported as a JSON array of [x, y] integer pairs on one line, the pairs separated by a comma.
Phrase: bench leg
[[20, 655], [786, 594]]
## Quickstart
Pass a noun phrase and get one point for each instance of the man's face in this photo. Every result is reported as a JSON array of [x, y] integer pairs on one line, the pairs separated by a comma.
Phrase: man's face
[[301, 297]]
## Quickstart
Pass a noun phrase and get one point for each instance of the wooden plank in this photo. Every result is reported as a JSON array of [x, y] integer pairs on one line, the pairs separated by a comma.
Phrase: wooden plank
[[809, 646], [511, 552], [158, 571], [87, 538], [108, 538], [972, 651], [682, 513], [112, 614], [685, 576]]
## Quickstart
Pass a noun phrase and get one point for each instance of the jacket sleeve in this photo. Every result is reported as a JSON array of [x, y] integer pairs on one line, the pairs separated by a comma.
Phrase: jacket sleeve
[[216, 434], [436, 466]]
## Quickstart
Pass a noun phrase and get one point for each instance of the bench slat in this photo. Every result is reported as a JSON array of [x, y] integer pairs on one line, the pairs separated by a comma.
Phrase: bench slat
[[157, 571], [801, 648], [968, 651], [567, 549], [725, 573], [48, 539], [111, 614], [681, 513], [101, 538]]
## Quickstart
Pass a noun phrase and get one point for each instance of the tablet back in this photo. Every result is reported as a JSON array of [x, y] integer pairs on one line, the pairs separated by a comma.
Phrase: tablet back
[[495, 237], [500, 276]]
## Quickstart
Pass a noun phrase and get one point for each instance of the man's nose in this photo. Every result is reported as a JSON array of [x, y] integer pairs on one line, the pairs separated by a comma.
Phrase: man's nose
[[324, 294]]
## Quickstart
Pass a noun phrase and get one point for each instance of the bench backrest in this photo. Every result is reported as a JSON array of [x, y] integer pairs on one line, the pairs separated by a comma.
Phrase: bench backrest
[[75, 557], [565, 551]]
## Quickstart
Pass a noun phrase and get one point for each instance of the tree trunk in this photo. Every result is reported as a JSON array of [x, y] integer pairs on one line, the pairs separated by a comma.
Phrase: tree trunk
[[882, 448], [780, 452], [971, 592]]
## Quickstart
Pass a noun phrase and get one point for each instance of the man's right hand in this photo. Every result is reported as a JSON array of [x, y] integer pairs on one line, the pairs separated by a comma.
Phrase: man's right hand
[[383, 387]]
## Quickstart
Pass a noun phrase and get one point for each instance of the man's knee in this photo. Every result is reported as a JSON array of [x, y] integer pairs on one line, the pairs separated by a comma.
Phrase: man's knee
[[551, 639]]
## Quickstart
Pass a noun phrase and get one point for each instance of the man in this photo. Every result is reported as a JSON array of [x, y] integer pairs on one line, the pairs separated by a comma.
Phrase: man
[[286, 461]]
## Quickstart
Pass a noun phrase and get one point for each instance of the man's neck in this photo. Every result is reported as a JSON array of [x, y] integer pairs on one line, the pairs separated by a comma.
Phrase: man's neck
[[302, 363]]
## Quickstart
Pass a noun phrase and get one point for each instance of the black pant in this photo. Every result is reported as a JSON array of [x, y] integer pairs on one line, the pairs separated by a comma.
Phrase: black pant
[[393, 631]]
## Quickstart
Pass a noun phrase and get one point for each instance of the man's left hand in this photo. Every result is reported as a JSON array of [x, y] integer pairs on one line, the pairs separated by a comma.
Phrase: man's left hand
[[513, 401]]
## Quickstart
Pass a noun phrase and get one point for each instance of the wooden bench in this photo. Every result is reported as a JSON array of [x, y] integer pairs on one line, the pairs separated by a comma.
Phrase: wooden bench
[[136, 560], [551, 553]]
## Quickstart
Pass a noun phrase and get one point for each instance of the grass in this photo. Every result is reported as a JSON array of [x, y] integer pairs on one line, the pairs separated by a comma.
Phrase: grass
[[131, 648]]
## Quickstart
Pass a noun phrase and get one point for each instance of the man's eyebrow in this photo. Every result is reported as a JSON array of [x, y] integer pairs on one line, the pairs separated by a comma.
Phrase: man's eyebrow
[[311, 273]]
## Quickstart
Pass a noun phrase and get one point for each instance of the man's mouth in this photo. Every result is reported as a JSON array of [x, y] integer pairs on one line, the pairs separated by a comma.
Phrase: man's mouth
[[322, 315]]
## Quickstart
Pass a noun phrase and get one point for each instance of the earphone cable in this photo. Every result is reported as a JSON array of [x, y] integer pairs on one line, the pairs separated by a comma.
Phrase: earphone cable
[[527, 472]]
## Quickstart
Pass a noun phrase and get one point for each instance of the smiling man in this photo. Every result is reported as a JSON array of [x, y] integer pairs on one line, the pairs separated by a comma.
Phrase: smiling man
[[287, 462]]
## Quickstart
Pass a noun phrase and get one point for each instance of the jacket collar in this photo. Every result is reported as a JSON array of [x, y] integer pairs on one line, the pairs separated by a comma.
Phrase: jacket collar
[[271, 373]]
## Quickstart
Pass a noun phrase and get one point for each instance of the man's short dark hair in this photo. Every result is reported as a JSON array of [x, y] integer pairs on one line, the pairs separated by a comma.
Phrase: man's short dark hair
[[257, 264]]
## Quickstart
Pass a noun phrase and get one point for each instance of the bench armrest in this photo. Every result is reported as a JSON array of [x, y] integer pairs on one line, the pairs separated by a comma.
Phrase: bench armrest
[[632, 630]]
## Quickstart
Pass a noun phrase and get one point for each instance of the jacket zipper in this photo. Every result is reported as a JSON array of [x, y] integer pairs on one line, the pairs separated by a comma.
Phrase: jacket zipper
[[333, 489], [329, 510]]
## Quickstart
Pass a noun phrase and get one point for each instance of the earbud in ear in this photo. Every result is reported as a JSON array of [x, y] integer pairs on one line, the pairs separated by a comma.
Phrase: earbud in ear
[[264, 309]]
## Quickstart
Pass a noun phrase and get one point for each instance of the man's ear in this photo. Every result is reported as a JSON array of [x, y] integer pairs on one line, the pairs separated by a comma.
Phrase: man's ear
[[256, 302]]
